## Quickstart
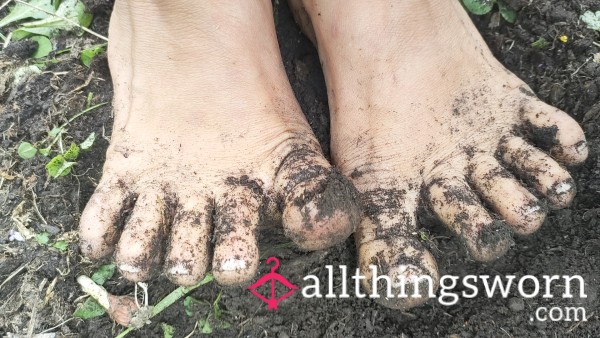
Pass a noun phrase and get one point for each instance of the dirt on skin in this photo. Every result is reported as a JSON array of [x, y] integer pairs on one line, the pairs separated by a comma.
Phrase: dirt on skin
[[38, 289]]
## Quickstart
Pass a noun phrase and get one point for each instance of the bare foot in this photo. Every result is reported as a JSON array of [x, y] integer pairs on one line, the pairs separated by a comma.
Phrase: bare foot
[[423, 113], [208, 139]]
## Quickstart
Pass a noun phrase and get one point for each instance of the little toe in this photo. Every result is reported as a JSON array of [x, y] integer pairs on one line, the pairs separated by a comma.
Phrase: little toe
[[384, 245], [515, 204], [453, 201], [101, 219], [555, 130], [140, 247], [187, 256], [321, 206], [547, 176], [235, 258]]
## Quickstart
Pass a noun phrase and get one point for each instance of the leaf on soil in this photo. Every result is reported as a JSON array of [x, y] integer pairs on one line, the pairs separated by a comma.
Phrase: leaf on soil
[[26, 150], [73, 10], [591, 19], [89, 142], [168, 330], [507, 13], [224, 325], [72, 153], [22, 11], [205, 327], [87, 55], [23, 73], [89, 309], [104, 273], [45, 151], [479, 7], [54, 132], [61, 245], [58, 166], [216, 308], [541, 43], [44, 46], [42, 238], [187, 302]]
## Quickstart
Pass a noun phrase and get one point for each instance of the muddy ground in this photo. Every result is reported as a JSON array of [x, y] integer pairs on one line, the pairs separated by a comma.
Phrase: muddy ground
[[38, 290]]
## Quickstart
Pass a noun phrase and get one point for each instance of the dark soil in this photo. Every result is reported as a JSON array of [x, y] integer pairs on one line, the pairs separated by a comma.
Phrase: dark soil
[[38, 289]]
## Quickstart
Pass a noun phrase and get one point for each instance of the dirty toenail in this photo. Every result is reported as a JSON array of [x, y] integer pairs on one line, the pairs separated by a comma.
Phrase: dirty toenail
[[531, 209], [232, 264], [562, 188], [581, 147], [129, 268], [179, 269]]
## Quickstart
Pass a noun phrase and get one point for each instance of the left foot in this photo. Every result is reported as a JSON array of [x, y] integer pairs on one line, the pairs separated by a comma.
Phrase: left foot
[[422, 112]]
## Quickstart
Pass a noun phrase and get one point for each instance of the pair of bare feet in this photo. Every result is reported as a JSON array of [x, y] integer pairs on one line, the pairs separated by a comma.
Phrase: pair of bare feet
[[208, 139]]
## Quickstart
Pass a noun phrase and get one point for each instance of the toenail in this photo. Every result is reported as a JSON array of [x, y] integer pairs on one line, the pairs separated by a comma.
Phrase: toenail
[[581, 147], [179, 269], [409, 272], [531, 210], [562, 188], [129, 268], [232, 264]]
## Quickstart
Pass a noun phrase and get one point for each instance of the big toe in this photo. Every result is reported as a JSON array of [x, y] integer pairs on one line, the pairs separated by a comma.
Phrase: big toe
[[321, 206]]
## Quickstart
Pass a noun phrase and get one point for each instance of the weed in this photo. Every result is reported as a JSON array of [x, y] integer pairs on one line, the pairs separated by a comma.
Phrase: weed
[[64, 159], [168, 330], [91, 308], [481, 7], [42, 19], [43, 238], [541, 43], [206, 325], [591, 20]]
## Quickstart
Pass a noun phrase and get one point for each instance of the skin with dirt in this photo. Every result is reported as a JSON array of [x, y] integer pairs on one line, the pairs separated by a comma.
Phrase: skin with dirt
[[41, 291]]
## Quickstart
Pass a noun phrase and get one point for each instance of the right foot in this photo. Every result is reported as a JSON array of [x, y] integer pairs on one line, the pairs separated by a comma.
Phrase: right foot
[[207, 139], [422, 112]]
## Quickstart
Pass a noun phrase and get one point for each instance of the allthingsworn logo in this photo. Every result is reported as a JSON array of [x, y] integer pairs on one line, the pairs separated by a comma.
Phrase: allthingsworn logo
[[272, 278]]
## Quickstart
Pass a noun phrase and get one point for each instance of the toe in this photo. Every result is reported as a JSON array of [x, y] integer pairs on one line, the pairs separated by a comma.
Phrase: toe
[[556, 131], [453, 201], [515, 204], [187, 256], [385, 247], [320, 205], [101, 218], [547, 176], [235, 258], [140, 248]]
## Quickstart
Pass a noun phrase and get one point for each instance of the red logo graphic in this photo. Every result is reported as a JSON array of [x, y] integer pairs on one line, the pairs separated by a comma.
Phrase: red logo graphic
[[272, 277]]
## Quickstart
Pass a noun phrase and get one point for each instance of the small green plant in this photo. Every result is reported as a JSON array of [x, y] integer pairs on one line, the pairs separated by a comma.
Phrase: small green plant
[[591, 20], [42, 19], [168, 330], [541, 43], [91, 308], [43, 238], [64, 158], [481, 7], [88, 55], [423, 235], [217, 313]]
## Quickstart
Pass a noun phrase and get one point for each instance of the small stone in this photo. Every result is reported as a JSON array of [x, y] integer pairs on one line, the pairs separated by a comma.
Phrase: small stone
[[283, 335], [516, 304]]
